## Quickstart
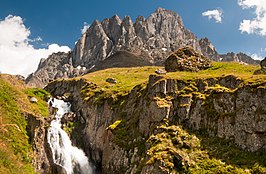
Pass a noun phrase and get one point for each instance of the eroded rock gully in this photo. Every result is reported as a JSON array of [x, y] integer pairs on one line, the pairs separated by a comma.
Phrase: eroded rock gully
[[226, 107]]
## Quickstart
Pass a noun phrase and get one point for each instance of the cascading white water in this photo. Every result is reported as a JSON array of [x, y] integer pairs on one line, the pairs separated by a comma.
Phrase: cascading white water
[[72, 159]]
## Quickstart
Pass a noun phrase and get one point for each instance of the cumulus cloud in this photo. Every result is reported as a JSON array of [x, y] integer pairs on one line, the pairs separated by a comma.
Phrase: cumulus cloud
[[256, 25], [85, 27], [214, 14], [263, 49], [256, 57], [17, 54]]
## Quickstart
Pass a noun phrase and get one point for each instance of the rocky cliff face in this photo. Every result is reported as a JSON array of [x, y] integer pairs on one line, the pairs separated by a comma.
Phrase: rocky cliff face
[[58, 65], [116, 132], [208, 49], [154, 38]]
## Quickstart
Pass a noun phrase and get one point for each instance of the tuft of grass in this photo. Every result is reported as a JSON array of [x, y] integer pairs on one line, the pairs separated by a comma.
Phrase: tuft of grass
[[229, 153], [114, 125]]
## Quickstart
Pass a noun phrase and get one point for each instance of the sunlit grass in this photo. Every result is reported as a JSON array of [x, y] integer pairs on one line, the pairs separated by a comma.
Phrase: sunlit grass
[[128, 78], [15, 151]]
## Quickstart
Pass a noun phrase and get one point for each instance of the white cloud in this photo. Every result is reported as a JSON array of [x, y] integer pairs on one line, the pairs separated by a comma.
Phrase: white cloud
[[17, 54], [256, 25], [263, 49], [256, 57], [215, 14], [85, 27]]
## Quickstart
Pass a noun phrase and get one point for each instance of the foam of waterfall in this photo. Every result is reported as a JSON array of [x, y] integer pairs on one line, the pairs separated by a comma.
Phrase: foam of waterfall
[[72, 159]]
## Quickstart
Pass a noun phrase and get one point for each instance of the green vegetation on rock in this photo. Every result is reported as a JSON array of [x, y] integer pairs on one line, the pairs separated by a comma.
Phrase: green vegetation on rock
[[15, 151], [173, 147], [42, 96], [128, 78], [178, 151]]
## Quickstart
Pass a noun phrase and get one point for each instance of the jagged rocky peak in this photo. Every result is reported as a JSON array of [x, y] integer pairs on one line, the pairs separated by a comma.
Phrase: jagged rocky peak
[[155, 37], [208, 49]]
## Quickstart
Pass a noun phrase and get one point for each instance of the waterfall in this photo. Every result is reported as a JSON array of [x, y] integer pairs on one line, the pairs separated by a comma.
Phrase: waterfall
[[72, 159]]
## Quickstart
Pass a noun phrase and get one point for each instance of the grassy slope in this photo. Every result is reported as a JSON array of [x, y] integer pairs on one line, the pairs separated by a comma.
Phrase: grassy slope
[[128, 78], [15, 151], [212, 155]]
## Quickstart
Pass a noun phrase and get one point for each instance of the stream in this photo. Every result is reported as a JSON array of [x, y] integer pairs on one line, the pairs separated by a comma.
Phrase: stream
[[69, 157]]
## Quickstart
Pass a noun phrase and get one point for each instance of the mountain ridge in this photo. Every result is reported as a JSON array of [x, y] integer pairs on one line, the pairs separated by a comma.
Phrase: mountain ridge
[[153, 38]]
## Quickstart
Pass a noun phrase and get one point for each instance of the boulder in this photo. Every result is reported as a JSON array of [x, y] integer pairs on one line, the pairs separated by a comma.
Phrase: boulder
[[263, 64], [33, 100], [160, 71], [186, 59], [111, 80], [263, 67]]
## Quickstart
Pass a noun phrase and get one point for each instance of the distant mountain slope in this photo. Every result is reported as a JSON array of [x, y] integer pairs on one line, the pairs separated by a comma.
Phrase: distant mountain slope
[[238, 57], [209, 50], [121, 59]]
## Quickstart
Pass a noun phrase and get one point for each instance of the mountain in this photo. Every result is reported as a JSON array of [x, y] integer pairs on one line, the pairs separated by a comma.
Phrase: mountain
[[57, 65], [151, 39], [121, 59], [155, 37], [209, 51], [238, 57]]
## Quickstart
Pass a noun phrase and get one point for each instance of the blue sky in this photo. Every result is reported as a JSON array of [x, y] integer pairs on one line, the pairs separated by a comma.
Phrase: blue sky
[[60, 22]]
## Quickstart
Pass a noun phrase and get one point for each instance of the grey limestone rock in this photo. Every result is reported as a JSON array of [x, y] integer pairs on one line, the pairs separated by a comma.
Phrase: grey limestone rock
[[155, 37], [263, 64], [208, 49], [57, 65], [238, 57]]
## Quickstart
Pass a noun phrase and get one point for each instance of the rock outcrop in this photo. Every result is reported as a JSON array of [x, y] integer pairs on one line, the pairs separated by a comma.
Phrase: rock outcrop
[[263, 64], [208, 49], [115, 132], [58, 65], [239, 57], [262, 69], [186, 59]]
